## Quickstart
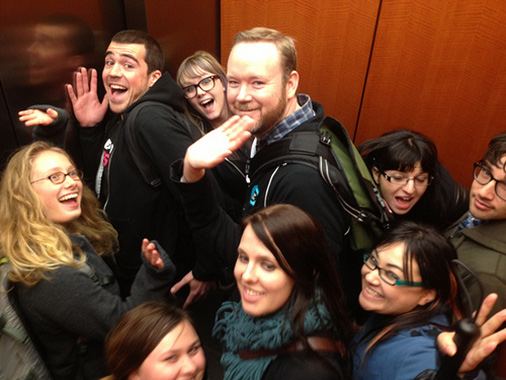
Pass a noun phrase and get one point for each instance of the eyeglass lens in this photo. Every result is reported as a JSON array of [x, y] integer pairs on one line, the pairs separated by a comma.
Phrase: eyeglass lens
[[205, 84], [483, 177]]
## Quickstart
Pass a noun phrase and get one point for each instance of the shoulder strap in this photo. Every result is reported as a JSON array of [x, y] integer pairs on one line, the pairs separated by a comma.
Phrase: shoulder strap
[[137, 153]]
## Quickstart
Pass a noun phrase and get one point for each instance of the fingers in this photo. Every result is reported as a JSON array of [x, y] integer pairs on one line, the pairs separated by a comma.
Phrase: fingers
[[495, 322], [486, 308], [52, 113], [184, 281], [71, 93], [33, 117], [446, 344]]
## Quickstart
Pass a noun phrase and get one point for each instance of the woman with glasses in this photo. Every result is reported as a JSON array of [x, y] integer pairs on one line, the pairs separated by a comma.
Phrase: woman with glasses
[[57, 243], [204, 85], [291, 321], [413, 183], [411, 292]]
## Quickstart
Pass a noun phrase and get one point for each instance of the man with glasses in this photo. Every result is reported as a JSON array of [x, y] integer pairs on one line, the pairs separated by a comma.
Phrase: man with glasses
[[480, 235]]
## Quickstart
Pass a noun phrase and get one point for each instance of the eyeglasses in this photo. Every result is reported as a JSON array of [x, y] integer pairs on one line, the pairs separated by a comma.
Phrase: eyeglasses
[[206, 84], [483, 176], [59, 177], [401, 180], [386, 275]]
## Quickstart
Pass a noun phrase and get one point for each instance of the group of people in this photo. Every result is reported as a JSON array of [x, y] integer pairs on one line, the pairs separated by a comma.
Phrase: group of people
[[289, 317]]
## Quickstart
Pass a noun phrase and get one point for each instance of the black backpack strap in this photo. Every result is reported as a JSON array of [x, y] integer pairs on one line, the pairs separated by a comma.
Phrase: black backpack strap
[[138, 155], [136, 152]]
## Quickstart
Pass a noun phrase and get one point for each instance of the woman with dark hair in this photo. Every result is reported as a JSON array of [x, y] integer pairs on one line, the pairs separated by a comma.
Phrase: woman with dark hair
[[155, 341], [56, 239], [412, 181], [409, 286], [291, 321]]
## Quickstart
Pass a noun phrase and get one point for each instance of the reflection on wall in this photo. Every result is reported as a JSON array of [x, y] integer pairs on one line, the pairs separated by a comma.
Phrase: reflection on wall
[[43, 43]]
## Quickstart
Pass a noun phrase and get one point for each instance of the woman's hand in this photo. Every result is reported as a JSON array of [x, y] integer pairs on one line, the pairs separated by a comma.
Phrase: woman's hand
[[212, 149], [150, 252], [34, 117], [487, 342]]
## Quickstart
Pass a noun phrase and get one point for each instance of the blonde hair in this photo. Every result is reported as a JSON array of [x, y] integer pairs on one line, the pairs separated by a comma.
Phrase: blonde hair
[[29, 239], [284, 44], [193, 67]]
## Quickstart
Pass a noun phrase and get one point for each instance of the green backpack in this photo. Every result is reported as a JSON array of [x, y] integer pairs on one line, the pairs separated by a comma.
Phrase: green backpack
[[334, 155]]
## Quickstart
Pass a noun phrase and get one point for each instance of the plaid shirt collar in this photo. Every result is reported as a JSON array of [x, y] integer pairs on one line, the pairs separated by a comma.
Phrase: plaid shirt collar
[[288, 124]]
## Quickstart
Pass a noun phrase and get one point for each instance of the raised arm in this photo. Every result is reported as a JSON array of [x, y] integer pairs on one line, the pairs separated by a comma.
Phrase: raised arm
[[214, 147], [88, 109]]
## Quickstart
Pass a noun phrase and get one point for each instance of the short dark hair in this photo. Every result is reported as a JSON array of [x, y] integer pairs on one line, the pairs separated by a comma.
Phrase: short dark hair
[[137, 333], [154, 53], [299, 244], [284, 44], [400, 150], [496, 149]]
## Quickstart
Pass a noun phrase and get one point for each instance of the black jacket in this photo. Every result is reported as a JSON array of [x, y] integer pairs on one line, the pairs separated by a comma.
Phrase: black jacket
[[137, 210], [295, 184], [70, 308]]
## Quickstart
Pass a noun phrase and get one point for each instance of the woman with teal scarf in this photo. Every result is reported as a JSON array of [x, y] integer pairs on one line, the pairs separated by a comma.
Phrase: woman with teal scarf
[[291, 321]]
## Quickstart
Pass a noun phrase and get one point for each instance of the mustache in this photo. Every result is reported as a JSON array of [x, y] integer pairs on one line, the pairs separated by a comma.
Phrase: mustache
[[243, 107]]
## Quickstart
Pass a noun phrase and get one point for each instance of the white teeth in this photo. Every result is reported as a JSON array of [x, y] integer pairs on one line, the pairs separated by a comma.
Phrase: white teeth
[[252, 292], [373, 293], [206, 102], [117, 87], [68, 197]]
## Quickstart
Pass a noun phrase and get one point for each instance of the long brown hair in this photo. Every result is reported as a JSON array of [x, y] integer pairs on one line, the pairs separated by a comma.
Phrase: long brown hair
[[299, 244]]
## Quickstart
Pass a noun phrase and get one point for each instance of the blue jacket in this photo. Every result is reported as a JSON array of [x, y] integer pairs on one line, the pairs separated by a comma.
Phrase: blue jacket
[[402, 357]]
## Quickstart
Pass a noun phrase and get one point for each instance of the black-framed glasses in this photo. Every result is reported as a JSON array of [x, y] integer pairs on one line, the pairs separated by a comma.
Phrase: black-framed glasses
[[401, 180], [483, 176], [206, 84], [59, 177], [387, 275]]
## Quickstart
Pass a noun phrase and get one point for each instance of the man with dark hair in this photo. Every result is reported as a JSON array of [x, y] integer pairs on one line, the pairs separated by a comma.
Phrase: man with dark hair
[[132, 75], [480, 235], [262, 86]]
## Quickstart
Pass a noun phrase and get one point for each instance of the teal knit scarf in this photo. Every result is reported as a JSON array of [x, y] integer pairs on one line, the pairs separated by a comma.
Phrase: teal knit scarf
[[240, 331]]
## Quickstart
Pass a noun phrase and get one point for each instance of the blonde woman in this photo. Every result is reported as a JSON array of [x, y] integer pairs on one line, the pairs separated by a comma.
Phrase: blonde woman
[[54, 237]]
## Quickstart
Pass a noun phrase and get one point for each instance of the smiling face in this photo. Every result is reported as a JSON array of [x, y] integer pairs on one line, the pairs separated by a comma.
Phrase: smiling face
[[212, 104], [256, 87], [264, 286], [61, 202], [484, 203], [401, 198], [382, 298], [178, 356], [125, 75]]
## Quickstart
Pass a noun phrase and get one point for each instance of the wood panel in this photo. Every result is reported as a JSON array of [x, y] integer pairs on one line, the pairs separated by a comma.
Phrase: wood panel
[[333, 42], [439, 67], [182, 27]]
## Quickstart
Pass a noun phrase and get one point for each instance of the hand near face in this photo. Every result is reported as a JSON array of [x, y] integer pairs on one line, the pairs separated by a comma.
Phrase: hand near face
[[88, 109], [214, 147], [150, 252], [487, 342], [34, 117]]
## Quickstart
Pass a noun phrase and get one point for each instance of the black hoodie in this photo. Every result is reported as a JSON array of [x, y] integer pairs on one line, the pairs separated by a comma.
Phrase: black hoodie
[[137, 210]]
